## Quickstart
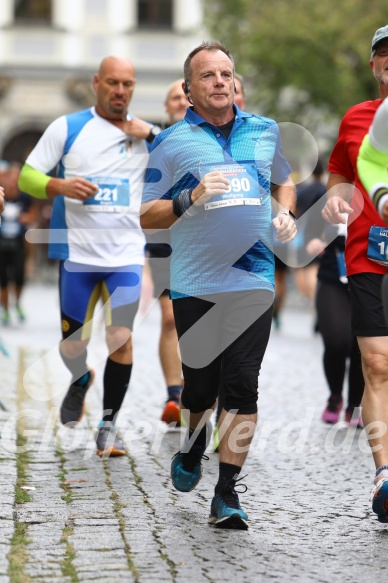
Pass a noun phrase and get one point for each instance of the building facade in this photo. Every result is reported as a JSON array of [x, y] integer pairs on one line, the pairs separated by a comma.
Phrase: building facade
[[50, 49]]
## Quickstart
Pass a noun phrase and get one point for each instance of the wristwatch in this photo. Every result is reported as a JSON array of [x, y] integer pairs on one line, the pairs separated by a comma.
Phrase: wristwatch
[[286, 212], [154, 131]]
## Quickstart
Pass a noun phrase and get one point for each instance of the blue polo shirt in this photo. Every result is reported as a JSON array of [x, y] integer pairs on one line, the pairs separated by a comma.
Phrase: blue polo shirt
[[226, 245]]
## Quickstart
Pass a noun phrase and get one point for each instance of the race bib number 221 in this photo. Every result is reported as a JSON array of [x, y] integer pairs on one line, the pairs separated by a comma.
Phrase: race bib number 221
[[112, 193]]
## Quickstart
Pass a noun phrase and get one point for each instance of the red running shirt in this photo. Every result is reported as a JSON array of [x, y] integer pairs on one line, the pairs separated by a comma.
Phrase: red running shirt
[[354, 126]]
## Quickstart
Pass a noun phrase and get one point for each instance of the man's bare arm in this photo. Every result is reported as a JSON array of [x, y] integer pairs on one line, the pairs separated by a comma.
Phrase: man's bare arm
[[157, 214], [284, 195], [335, 187], [284, 198], [339, 194], [78, 188], [40, 185]]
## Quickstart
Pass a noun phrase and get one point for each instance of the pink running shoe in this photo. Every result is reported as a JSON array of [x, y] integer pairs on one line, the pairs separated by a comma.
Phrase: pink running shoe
[[353, 417], [332, 412]]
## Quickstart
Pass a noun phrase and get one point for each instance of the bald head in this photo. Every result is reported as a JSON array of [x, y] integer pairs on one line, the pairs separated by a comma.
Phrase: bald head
[[114, 85], [176, 102], [112, 63]]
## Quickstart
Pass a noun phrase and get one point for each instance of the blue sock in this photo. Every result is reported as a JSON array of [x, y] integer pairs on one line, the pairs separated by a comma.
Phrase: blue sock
[[380, 469], [174, 392]]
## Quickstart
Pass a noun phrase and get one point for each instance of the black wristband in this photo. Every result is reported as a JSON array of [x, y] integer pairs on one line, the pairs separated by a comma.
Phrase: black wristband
[[182, 202], [378, 195]]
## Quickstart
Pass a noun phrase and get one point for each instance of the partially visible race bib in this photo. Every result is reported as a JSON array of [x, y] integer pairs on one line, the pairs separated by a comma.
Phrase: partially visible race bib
[[340, 256], [378, 245], [243, 187], [113, 195]]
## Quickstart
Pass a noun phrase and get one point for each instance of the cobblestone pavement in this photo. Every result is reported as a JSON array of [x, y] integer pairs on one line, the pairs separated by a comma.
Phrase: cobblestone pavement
[[68, 516]]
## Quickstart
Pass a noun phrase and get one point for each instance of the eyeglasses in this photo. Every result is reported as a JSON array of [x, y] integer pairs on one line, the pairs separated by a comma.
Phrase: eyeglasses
[[381, 51]]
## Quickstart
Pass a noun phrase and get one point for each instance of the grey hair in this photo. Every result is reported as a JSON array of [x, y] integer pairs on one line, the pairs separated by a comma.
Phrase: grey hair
[[210, 45]]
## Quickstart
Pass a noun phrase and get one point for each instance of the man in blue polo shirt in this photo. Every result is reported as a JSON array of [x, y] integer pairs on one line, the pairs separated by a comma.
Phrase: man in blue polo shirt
[[210, 178]]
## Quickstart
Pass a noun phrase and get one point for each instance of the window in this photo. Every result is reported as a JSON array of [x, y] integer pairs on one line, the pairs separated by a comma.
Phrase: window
[[95, 7], [155, 13], [33, 10]]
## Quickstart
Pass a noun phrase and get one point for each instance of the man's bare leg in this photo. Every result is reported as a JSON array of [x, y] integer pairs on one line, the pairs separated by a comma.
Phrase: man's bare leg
[[170, 361], [236, 434], [374, 354]]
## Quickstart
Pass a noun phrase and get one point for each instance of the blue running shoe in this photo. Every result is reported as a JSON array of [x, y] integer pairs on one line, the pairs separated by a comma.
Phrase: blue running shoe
[[225, 510], [379, 499], [186, 468]]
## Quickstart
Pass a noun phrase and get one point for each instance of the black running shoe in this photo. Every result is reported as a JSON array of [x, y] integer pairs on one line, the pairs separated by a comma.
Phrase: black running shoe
[[73, 405]]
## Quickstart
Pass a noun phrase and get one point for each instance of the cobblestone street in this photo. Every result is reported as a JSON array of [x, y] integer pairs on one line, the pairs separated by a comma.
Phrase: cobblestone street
[[68, 516]]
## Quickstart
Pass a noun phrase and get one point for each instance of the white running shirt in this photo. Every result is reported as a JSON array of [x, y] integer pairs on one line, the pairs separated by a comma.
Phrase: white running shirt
[[104, 230]]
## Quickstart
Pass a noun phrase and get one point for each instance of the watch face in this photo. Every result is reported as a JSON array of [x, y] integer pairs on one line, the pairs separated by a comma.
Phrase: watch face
[[155, 130]]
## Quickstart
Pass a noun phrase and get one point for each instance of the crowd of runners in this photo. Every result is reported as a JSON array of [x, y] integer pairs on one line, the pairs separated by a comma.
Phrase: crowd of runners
[[194, 211]]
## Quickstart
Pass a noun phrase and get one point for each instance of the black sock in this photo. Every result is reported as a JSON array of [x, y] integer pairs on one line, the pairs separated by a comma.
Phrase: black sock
[[174, 392], [227, 472], [203, 437], [116, 381], [197, 447], [78, 368]]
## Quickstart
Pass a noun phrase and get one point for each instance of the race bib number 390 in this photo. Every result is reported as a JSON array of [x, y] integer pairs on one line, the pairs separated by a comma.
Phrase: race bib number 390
[[112, 194], [243, 187]]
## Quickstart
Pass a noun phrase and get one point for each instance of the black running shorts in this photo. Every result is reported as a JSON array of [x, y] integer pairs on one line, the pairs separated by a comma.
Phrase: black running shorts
[[367, 306]]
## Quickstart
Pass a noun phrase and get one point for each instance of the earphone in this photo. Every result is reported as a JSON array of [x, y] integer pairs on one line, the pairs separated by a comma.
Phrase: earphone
[[235, 88]]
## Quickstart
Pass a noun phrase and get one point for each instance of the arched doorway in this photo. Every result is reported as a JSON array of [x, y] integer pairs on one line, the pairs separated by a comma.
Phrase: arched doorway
[[17, 148]]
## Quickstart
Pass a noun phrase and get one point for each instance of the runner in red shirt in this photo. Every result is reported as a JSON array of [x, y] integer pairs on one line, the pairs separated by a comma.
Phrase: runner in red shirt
[[365, 276]]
